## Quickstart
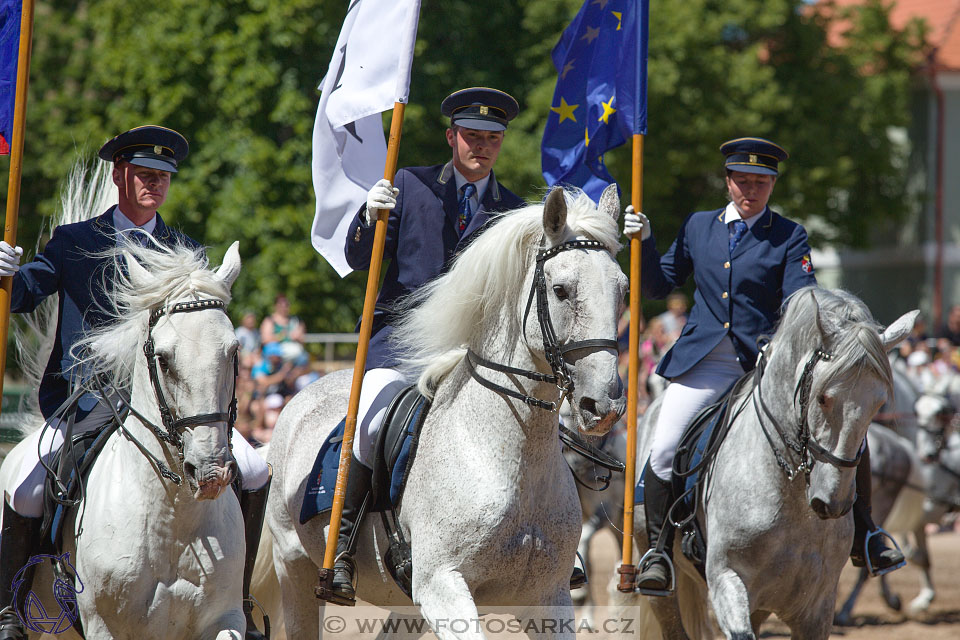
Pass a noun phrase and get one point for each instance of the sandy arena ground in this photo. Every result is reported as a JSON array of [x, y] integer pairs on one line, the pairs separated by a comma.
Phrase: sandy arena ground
[[873, 620]]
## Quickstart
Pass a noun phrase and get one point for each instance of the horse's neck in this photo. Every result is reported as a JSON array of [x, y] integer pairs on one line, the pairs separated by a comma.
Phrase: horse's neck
[[531, 431]]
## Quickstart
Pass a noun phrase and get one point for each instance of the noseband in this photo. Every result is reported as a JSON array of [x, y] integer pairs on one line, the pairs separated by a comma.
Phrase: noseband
[[174, 427], [552, 349], [803, 444]]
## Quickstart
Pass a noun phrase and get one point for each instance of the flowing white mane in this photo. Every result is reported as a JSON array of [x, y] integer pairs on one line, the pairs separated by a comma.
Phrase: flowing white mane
[[179, 273], [850, 334], [444, 316]]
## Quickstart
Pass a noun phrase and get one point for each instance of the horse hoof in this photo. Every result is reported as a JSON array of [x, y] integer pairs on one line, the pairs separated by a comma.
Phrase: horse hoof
[[842, 620], [894, 603]]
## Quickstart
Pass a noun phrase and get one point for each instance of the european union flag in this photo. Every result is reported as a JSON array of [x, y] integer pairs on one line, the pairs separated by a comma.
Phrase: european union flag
[[9, 52], [601, 97]]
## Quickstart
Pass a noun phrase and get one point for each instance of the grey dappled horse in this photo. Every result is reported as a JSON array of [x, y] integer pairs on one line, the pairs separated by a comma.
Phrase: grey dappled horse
[[778, 525], [490, 508]]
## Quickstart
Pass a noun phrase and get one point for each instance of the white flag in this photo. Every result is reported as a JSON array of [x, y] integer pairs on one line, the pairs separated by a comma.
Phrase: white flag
[[369, 72]]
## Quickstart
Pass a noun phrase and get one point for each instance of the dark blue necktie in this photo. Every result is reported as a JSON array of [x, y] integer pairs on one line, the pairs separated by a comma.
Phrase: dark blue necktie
[[737, 229], [140, 237], [465, 207]]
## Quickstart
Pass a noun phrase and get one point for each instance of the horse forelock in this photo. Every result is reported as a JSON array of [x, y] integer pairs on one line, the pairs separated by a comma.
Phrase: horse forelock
[[850, 335], [179, 272], [482, 286]]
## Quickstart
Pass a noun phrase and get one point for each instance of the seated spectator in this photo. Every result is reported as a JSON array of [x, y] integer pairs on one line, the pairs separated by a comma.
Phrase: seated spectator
[[249, 338], [280, 327], [951, 330], [675, 317], [273, 379]]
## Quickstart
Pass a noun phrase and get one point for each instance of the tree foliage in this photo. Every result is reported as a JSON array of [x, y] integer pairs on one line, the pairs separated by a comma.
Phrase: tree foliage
[[239, 78]]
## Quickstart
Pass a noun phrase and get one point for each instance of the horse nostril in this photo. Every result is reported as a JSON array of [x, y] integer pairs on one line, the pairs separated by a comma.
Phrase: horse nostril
[[819, 507], [231, 468], [589, 405], [190, 470]]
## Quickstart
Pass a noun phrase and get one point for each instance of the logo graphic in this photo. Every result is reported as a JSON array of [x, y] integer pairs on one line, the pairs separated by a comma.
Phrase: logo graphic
[[34, 616], [806, 264]]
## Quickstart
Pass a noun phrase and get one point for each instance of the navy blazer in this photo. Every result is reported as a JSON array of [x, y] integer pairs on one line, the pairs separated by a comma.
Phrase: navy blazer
[[421, 241], [739, 295], [67, 266]]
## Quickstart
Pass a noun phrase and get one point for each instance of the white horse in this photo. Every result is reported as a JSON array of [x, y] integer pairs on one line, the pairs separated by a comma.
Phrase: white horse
[[490, 508], [161, 558], [777, 524]]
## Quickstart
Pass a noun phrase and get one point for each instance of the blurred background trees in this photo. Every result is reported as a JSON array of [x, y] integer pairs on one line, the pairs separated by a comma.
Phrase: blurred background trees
[[239, 78]]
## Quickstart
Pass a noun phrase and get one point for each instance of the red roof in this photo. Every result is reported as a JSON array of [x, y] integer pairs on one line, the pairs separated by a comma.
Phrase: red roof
[[942, 18]]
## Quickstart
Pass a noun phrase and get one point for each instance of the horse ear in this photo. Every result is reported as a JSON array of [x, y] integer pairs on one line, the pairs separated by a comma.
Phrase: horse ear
[[555, 215], [610, 202], [139, 276], [230, 268], [899, 330]]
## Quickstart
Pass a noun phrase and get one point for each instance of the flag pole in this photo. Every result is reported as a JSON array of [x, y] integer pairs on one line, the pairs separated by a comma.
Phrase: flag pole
[[324, 590], [16, 169], [627, 570]]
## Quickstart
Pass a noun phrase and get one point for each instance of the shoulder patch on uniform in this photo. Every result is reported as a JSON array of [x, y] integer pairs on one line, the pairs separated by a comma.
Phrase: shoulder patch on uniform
[[806, 264]]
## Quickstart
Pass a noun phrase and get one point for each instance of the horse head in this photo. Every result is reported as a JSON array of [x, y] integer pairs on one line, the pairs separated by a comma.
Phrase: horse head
[[188, 362], [845, 390], [579, 296], [934, 416]]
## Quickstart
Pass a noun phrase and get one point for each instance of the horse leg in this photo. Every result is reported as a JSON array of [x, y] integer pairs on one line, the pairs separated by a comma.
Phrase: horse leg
[[445, 598], [554, 619], [816, 623], [581, 597], [667, 612], [844, 618], [921, 557], [889, 597], [731, 603], [297, 574]]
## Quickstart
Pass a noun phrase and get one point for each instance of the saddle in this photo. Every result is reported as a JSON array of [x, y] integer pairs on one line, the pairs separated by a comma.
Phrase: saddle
[[63, 492]]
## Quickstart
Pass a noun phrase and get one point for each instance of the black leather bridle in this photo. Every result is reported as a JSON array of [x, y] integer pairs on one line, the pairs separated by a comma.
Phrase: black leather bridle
[[553, 351], [804, 445], [174, 427]]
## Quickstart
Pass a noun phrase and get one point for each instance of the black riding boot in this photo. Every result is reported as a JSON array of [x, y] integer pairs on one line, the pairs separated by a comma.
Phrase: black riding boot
[[883, 559], [19, 539], [354, 505], [656, 574], [252, 506]]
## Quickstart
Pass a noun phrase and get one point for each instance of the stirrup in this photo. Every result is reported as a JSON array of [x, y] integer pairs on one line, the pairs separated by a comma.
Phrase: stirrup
[[650, 555], [263, 612], [324, 589], [876, 573], [582, 579]]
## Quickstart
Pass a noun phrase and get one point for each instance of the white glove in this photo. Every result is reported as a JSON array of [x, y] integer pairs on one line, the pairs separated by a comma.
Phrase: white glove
[[383, 195], [9, 259], [634, 223]]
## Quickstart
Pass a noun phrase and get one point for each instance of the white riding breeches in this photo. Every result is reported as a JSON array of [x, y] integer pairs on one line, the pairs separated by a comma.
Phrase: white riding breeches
[[685, 396], [380, 386], [26, 496]]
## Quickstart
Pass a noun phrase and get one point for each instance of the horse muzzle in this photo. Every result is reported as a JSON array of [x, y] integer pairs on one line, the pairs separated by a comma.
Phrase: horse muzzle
[[209, 481], [597, 418]]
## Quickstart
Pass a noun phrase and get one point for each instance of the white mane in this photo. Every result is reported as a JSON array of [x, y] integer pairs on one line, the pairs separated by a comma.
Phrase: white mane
[[444, 316], [179, 273]]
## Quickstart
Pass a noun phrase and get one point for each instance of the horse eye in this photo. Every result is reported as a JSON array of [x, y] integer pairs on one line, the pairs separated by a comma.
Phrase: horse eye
[[560, 292], [162, 361], [821, 399]]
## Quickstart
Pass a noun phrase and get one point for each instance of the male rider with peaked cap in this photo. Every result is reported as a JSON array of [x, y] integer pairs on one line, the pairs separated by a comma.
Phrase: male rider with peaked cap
[[72, 265]]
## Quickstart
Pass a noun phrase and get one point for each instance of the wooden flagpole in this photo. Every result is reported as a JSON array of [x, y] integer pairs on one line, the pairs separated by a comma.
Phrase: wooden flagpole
[[16, 169], [627, 570], [366, 328]]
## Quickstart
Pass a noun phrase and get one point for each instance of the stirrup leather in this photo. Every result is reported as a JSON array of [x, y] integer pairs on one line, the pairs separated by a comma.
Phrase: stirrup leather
[[650, 556], [873, 571]]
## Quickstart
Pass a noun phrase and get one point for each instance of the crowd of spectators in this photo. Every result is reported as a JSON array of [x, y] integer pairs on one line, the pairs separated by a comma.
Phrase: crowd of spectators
[[274, 365]]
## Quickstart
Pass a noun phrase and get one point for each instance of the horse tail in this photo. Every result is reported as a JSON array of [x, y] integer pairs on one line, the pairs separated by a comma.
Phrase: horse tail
[[88, 191]]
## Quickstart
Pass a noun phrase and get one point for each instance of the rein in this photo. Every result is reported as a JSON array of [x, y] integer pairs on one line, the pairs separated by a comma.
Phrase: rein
[[553, 350], [804, 445]]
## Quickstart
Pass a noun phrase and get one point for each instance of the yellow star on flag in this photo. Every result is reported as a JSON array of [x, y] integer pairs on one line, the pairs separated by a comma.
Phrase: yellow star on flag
[[619, 17], [592, 34], [586, 136], [567, 68], [608, 111], [565, 110], [602, 3]]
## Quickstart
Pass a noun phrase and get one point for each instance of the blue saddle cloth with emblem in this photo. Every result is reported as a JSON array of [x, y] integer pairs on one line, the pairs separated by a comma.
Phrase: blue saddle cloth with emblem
[[394, 453]]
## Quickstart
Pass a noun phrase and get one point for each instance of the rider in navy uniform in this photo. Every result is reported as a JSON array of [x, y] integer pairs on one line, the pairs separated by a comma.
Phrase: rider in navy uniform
[[746, 260], [72, 265], [435, 211]]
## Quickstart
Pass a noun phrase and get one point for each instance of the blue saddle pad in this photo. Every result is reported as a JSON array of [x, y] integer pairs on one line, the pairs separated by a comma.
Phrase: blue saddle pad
[[323, 477]]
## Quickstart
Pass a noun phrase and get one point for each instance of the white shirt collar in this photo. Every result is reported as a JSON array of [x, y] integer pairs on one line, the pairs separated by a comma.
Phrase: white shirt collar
[[731, 213], [480, 184], [122, 223]]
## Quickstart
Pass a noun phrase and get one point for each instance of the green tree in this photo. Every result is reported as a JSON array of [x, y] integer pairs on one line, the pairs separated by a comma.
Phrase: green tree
[[239, 78]]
